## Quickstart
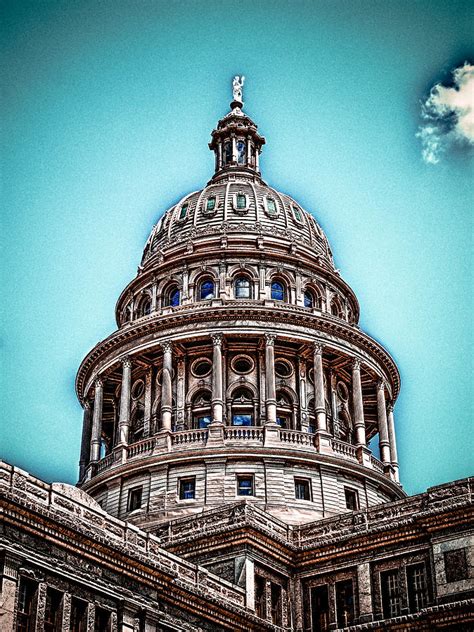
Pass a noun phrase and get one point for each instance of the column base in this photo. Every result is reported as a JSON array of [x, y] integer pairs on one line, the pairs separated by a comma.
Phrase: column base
[[363, 455], [323, 442], [162, 442], [215, 434], [271, 435]]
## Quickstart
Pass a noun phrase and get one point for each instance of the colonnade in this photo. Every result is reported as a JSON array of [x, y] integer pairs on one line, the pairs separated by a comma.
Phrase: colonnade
[[387, 440]]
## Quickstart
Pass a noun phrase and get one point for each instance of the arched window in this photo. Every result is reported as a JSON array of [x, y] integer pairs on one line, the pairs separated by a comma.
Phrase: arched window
[[284, 410], [206, 289], [172, 296], [227, 152], [278, 291], [308, 299], [201, 409], [241, 152], [336, 308], [144, 307], [311, 416], [242, 287], [242, 408]]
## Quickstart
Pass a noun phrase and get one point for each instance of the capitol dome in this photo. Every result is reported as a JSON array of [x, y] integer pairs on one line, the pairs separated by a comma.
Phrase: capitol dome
[[238, 369]]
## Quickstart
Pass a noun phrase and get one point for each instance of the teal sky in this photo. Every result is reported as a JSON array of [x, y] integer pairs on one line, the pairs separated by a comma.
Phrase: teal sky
[[108, 108]]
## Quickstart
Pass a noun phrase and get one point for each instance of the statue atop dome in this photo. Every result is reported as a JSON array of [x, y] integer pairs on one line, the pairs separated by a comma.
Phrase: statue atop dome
[[237, 87]]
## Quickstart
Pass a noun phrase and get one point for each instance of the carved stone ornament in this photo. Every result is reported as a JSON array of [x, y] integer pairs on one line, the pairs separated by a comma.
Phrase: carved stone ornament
[[166, 346], [217, 339], [270, 340]]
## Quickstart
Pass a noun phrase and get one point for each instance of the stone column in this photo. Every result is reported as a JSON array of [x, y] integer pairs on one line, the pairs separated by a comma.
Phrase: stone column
[[270, 387], [358, 402], [124, 416], [66, 612], [90, 623], [249, 149], [86, 440], [97, 420], [166, 386], [393, 442], [234, 149], [40, 606], [319, 399], [219, 155], [217, 394], [365, 593], [154, 295], [257, 158], [383, 427], [148, 402], [8, 592]]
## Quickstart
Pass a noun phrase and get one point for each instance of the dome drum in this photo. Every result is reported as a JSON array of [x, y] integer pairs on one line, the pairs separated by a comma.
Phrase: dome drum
[[238, 368]]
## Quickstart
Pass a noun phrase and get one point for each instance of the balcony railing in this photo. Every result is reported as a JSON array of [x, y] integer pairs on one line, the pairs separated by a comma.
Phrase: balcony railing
[[219, 436]]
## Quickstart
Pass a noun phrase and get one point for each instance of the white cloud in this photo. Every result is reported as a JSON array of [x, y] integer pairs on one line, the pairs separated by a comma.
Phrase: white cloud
[[448, 115]]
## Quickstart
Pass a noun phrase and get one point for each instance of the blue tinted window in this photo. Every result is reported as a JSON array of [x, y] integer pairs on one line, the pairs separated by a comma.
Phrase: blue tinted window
[[241, 201], [245, 486], [308, 299], [241, 152], [183, 212], [187, 489], [207, 290], [211, 204], [241, 420], [278, 291], [174, 297], [271, 206], [227, 152], [281, 421], [203, 422]]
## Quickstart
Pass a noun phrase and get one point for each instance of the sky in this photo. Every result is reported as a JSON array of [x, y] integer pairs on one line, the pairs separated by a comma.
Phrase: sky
[[107, 111]]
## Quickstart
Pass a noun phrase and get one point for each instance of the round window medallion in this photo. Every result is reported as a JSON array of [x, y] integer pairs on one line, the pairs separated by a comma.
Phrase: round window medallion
[[242, 364], [342, 391], [283, 368], [201, 367], [138, 389]]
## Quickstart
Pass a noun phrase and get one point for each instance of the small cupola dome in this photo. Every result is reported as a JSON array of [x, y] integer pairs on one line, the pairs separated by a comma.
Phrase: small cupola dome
[[236, 141]]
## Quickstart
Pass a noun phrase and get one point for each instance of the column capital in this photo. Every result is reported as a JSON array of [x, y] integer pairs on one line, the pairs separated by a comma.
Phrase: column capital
[[390, 407], [270, 340], [355, 364], [380, 384], [98, 382], [87, 405], [126, 362], [318, 348], [167, 346], [217, 339]]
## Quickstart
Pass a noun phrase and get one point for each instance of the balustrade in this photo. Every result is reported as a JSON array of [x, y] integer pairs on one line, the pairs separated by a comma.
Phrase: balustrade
[[244, 434], [187, 437], [296, 437]]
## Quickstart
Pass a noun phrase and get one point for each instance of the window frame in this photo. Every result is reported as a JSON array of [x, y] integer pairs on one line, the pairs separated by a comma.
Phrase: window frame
[[182, 491], [307, 484], [243, 277], [355, 495], [134, 498], [183, 212], [202, 281], [244, 477], [271, 214], [284, 290]]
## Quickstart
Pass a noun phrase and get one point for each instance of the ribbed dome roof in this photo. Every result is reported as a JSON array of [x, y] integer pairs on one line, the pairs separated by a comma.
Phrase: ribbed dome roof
[[237, 202], [237, 199]]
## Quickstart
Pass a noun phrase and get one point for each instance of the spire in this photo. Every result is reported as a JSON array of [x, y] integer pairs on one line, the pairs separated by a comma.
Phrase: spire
[[236, 142]]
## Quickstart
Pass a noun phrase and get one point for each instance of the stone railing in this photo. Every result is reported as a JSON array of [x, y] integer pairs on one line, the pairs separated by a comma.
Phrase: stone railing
[[67, 507], [346, 450], [242, 433], [218, 436], [297, 438], [187, 438]]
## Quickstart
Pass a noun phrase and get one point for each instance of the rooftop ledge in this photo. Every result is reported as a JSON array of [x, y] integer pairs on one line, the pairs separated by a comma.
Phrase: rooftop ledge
[[217, 436]]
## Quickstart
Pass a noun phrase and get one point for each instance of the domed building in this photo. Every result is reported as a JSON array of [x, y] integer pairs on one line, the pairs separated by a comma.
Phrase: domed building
[[227, 480], [238, 368]]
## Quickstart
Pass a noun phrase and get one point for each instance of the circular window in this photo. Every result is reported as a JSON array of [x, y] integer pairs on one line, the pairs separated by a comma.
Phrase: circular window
[[342, 391], [201, 367], [283, 368], [138, 389], [242, 364]]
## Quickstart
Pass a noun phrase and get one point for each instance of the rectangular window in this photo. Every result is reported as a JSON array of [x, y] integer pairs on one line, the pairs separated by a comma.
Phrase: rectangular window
[[52, 614], [241, 201], [78, 622], [260, 609], [455, 565], [352, 499], [417, 589], [282, 422], [345, 603], [134, 498], [276, 604], [183, 212], [302, 489], [245, 486], [187, 488], [320, 609], [26, 599], [241, 420], [203, 422], [391, 599], [271, 206], [102, 620], [211, 204], [297, 214]]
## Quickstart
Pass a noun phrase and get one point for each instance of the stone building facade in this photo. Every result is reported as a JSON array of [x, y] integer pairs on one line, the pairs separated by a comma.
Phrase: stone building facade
[[227, 480]]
